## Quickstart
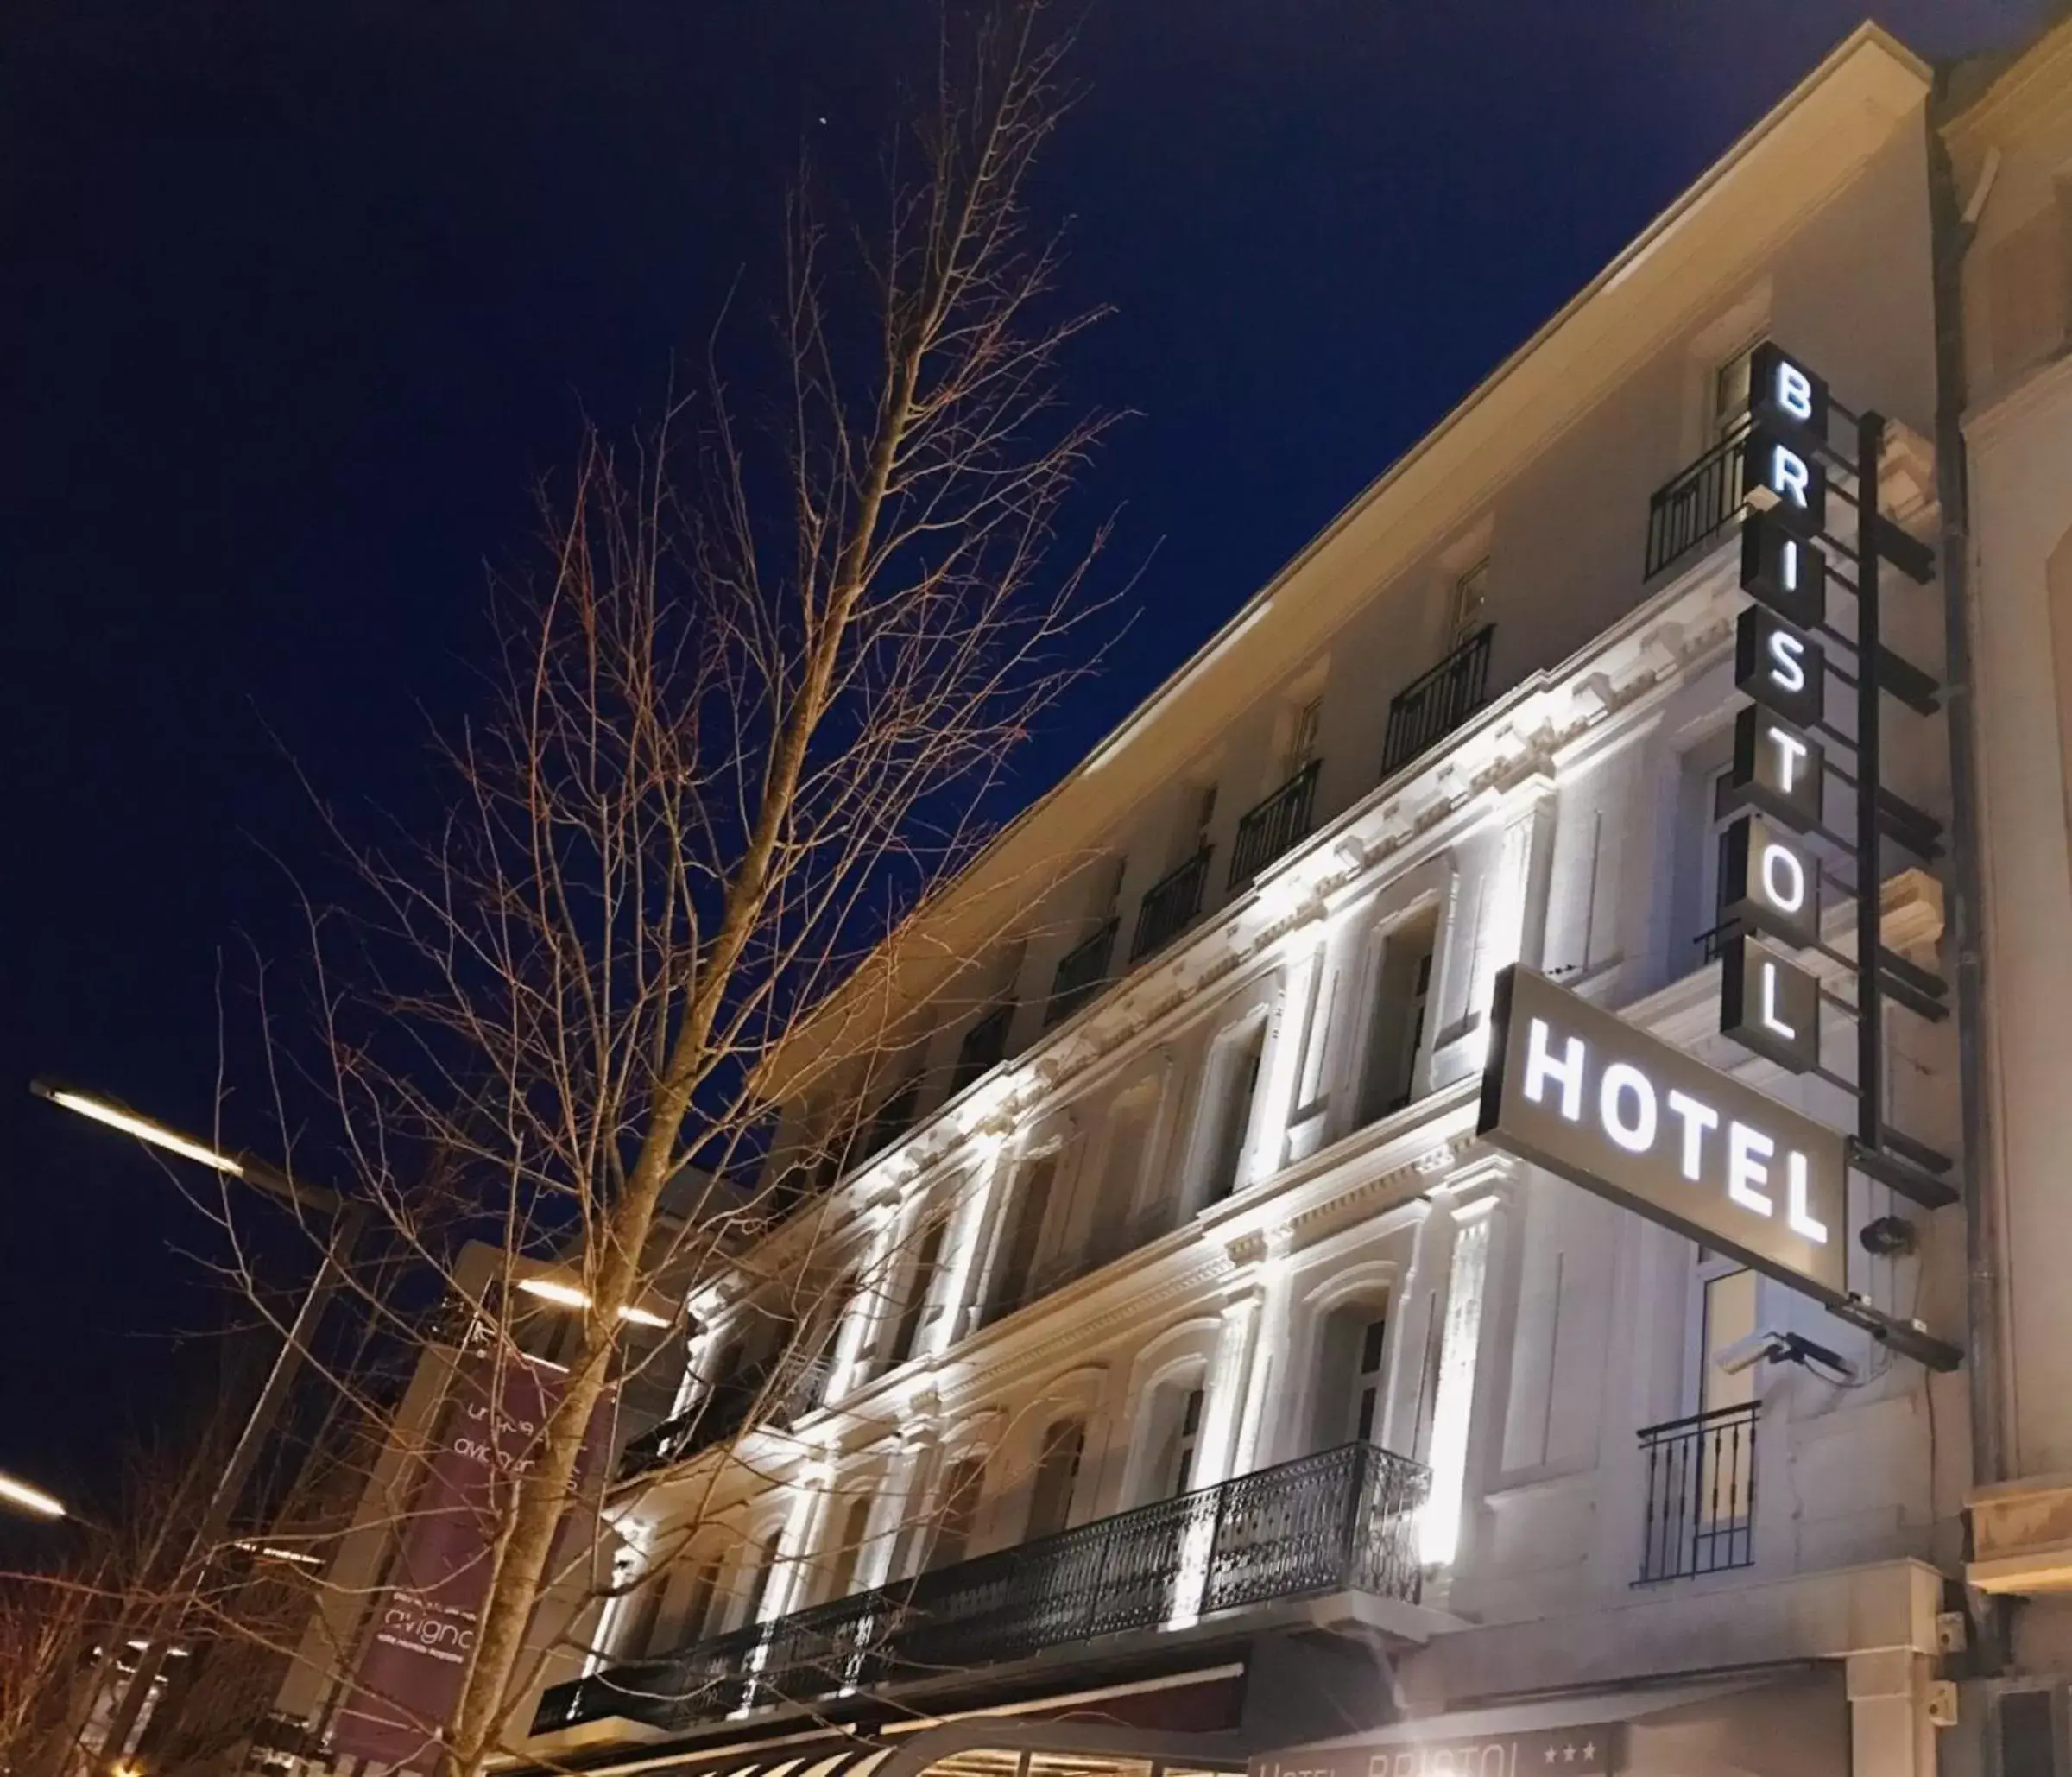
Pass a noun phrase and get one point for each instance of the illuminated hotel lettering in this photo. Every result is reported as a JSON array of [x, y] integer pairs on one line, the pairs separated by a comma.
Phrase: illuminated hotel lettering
[[1780, 666], [1783, 394], [1768, 1005], [1785, 573], [1578, 1091], [1766, 884], [1787, 480], [1777, 768]]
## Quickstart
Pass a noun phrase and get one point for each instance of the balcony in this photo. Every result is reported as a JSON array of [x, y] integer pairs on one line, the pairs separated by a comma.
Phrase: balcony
[[1170, 906], [719, 1414], [1343, 1521], [1695, 504], [725, 1412], [1081, 972], [1430, 708], [1271, 826], [1700, 1494], [983, 1047]]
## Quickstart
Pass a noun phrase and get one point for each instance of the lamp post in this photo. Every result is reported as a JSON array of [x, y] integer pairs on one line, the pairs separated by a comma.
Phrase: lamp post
[[348, 1222]]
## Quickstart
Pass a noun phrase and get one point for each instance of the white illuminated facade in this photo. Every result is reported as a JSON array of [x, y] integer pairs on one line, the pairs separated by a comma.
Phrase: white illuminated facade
[[1171, 1180]]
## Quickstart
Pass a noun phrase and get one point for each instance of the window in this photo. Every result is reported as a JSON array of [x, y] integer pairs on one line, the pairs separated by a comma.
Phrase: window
[[957, 1512], [921, 1291], [1349, 1401], [1469, 598], [1301, 736], [1233, 1085], [1367, 1384], [1182, 1443], [1727, 1312], [1200, 817], [1121, 1171], [1056, 1474], [1703, 814], [756, 1593], [893, 1118], [1395, 1038], [698, 1606], [849, 1550], [1024, 1233], [1727, 399], [1726, 1478]]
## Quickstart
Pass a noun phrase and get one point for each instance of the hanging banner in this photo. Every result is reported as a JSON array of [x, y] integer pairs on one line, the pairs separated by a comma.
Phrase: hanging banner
[[423, 1621]]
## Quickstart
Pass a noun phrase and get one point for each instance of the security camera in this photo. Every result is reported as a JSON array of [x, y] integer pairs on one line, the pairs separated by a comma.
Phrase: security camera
[[1779, 1348], [1746, 1353]]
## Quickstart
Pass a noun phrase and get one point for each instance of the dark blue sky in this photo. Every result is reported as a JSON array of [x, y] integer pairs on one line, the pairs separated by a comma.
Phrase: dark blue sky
[[297, 299]]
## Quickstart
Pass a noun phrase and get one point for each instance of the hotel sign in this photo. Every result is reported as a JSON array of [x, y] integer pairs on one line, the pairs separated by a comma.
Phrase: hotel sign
[[1572, 1088], [1586, 1751]]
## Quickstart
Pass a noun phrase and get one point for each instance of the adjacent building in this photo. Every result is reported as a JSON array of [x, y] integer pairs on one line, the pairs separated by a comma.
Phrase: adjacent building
[[2009, 391]]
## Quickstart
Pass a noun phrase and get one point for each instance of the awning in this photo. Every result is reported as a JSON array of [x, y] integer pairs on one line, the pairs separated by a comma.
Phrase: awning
[[1794, 1726], [973, 1745]]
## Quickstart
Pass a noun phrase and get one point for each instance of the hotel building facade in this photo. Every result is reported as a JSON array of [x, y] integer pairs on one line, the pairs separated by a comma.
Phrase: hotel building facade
[[1158, 1374]]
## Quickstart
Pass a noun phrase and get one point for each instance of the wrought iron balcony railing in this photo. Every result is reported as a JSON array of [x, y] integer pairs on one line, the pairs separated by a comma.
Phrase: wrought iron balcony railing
[[719, 1414], [1430, 708], [1695, 504], [1271, 826], [1170, 906], [1343, 1521], [983, 1047], [1081, 972], [725, 1411], [1700, 1494]]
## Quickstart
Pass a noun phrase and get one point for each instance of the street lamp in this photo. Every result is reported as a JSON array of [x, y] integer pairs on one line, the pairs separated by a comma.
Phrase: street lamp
[[567, 1295], [349, 1221], [31, 1500]]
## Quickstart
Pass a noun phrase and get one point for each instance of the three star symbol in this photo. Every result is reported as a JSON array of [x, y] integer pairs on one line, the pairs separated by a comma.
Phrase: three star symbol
[[1566, 1755]]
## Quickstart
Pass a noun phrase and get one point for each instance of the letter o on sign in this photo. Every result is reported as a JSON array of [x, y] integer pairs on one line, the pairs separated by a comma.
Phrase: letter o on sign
[[1626, 1103], [1783, 878]]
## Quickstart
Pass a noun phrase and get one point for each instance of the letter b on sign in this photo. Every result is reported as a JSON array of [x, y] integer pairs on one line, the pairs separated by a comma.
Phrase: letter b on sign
[[1784, 397]]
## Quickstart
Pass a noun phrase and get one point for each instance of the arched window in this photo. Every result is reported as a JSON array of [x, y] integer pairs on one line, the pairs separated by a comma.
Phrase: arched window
[[1177, 1423], [1352, 1344], [1057, 1475], [756, 1593], [956, 1511], [697, 1603], [849, 1548]]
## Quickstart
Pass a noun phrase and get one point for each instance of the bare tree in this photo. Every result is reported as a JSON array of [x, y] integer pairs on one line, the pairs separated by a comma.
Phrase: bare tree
[[741, 724]]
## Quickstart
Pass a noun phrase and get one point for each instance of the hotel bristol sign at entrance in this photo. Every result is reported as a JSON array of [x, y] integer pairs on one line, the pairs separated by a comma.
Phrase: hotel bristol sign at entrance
[[1572, 1088]]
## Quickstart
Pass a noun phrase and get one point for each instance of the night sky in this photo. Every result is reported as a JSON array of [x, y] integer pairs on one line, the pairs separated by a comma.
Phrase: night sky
[[297, 301]]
